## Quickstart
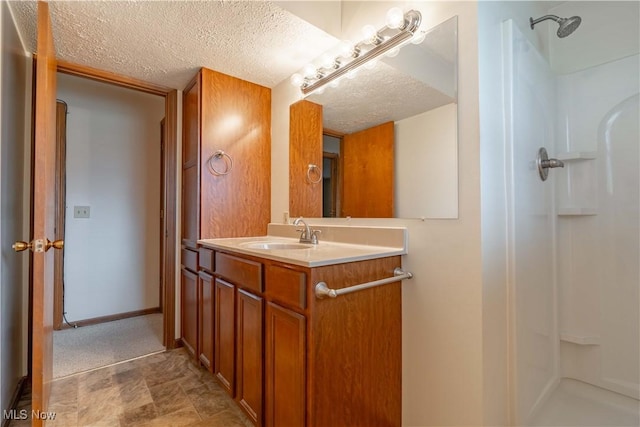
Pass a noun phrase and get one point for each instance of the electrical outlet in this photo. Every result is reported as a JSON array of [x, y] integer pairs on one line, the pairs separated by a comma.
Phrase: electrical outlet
[[81, 211]]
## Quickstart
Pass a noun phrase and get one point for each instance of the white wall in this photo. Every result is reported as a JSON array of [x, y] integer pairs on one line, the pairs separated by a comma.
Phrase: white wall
[[442, 306], [113, 166], [426, 147], [14, 86]]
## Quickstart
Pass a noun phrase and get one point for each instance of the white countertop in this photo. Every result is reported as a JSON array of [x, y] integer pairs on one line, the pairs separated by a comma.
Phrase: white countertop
[[324, 253]]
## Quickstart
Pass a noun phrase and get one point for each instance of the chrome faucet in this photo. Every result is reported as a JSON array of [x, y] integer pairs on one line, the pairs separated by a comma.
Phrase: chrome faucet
[[307, 234]]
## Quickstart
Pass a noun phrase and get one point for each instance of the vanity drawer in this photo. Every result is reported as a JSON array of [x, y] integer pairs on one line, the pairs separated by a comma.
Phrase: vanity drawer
[[242, 272], [286, 285], [206, 258], [190, 259]]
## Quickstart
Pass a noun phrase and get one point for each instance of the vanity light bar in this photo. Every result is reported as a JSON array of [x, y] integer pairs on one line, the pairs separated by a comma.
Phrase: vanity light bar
[[412, 20]]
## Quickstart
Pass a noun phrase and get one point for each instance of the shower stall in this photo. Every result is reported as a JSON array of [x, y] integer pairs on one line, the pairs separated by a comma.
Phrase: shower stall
[[569, 85]]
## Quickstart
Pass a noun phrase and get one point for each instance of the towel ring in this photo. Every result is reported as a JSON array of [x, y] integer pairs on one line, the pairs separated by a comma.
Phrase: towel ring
[[228, 161], [318, 171]]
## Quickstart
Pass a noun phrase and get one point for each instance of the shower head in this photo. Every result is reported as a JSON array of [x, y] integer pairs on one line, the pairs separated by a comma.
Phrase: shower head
[[567, 25]]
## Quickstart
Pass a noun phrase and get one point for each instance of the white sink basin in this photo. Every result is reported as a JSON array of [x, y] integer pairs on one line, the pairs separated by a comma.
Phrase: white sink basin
[[275, 245]]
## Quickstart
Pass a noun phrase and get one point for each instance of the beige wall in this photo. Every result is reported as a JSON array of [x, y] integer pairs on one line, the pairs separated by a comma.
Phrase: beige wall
[[442, 305]]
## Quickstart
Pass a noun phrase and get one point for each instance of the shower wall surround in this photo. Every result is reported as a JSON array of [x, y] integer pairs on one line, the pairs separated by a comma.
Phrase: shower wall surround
[[573, 241], [598, 238]]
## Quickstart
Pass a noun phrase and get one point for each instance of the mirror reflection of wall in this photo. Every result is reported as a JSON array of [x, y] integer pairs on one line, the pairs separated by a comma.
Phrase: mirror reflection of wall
[[416, 93]]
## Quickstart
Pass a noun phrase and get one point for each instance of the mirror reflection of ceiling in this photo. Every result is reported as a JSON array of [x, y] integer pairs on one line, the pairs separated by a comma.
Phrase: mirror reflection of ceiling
[[420, 78]]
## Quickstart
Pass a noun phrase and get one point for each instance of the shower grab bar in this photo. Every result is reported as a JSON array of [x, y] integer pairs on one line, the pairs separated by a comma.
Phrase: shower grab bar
[[322, 290]]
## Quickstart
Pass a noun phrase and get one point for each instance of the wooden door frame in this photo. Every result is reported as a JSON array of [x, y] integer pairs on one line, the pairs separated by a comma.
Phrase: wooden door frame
[[60, 185], [169, 219], [334, 158]]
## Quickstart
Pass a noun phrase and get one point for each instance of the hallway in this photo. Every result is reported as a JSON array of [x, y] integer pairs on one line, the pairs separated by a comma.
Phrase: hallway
[[163, 389]]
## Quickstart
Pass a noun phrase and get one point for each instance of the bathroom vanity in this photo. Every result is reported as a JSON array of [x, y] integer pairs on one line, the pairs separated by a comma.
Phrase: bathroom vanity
[[291, 357]]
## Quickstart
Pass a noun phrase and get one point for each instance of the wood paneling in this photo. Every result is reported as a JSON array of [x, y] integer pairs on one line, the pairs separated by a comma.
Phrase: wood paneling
[[224, 335], [368, 173], [249, 362], [43, 213], [305, 148], [236, 118], [285, 355], [357, 338]]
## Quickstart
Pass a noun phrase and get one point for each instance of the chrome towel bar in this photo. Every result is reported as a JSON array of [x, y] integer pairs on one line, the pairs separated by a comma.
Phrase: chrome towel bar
[[322, 290]]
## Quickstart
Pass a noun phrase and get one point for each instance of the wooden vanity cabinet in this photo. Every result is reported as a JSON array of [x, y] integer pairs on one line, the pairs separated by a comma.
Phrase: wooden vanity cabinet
[[205, 307], [189, 300], [224, 335], [285, 360], [205, 319], [302, 361], [239, 331], [225, 196], [249, 353]]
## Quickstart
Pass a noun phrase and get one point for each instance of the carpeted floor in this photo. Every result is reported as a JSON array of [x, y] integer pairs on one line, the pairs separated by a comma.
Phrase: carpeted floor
[[90, 347]]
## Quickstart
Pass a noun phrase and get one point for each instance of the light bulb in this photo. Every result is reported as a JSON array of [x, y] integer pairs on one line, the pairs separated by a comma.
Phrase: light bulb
[[369, 32], [418, 37], [395, 18], [297, 79], [393, 52], [327, 61], [346, 49], [309, 71]]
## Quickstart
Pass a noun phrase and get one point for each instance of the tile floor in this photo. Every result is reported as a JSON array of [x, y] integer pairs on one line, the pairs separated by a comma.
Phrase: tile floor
[[164, 389]]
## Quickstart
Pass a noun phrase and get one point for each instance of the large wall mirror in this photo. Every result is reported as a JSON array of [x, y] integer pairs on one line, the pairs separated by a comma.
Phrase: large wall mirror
[[389, 138]]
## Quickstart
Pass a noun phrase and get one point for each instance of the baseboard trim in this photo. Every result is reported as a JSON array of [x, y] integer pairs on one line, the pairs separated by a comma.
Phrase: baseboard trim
[[15, 399], [177, 343], [112, 317]]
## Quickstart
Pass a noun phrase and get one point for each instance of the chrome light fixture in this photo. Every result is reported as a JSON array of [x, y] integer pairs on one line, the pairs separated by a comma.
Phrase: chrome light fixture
[[400, 28]]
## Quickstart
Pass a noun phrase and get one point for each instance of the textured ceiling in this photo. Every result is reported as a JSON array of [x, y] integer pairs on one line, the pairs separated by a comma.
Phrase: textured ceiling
[[166, 42]]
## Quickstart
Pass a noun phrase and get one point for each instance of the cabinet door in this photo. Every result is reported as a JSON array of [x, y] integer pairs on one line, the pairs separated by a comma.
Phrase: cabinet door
[[224, 338], [285, 367], [189, 310], [249, 355], [205, 319]]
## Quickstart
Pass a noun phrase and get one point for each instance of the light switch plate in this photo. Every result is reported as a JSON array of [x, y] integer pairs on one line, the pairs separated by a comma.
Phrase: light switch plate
[[81, 211]]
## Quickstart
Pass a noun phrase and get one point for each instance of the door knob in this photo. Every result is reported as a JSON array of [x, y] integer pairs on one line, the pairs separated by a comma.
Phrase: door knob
[[56, 244], [38, 245], [20, 246]]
